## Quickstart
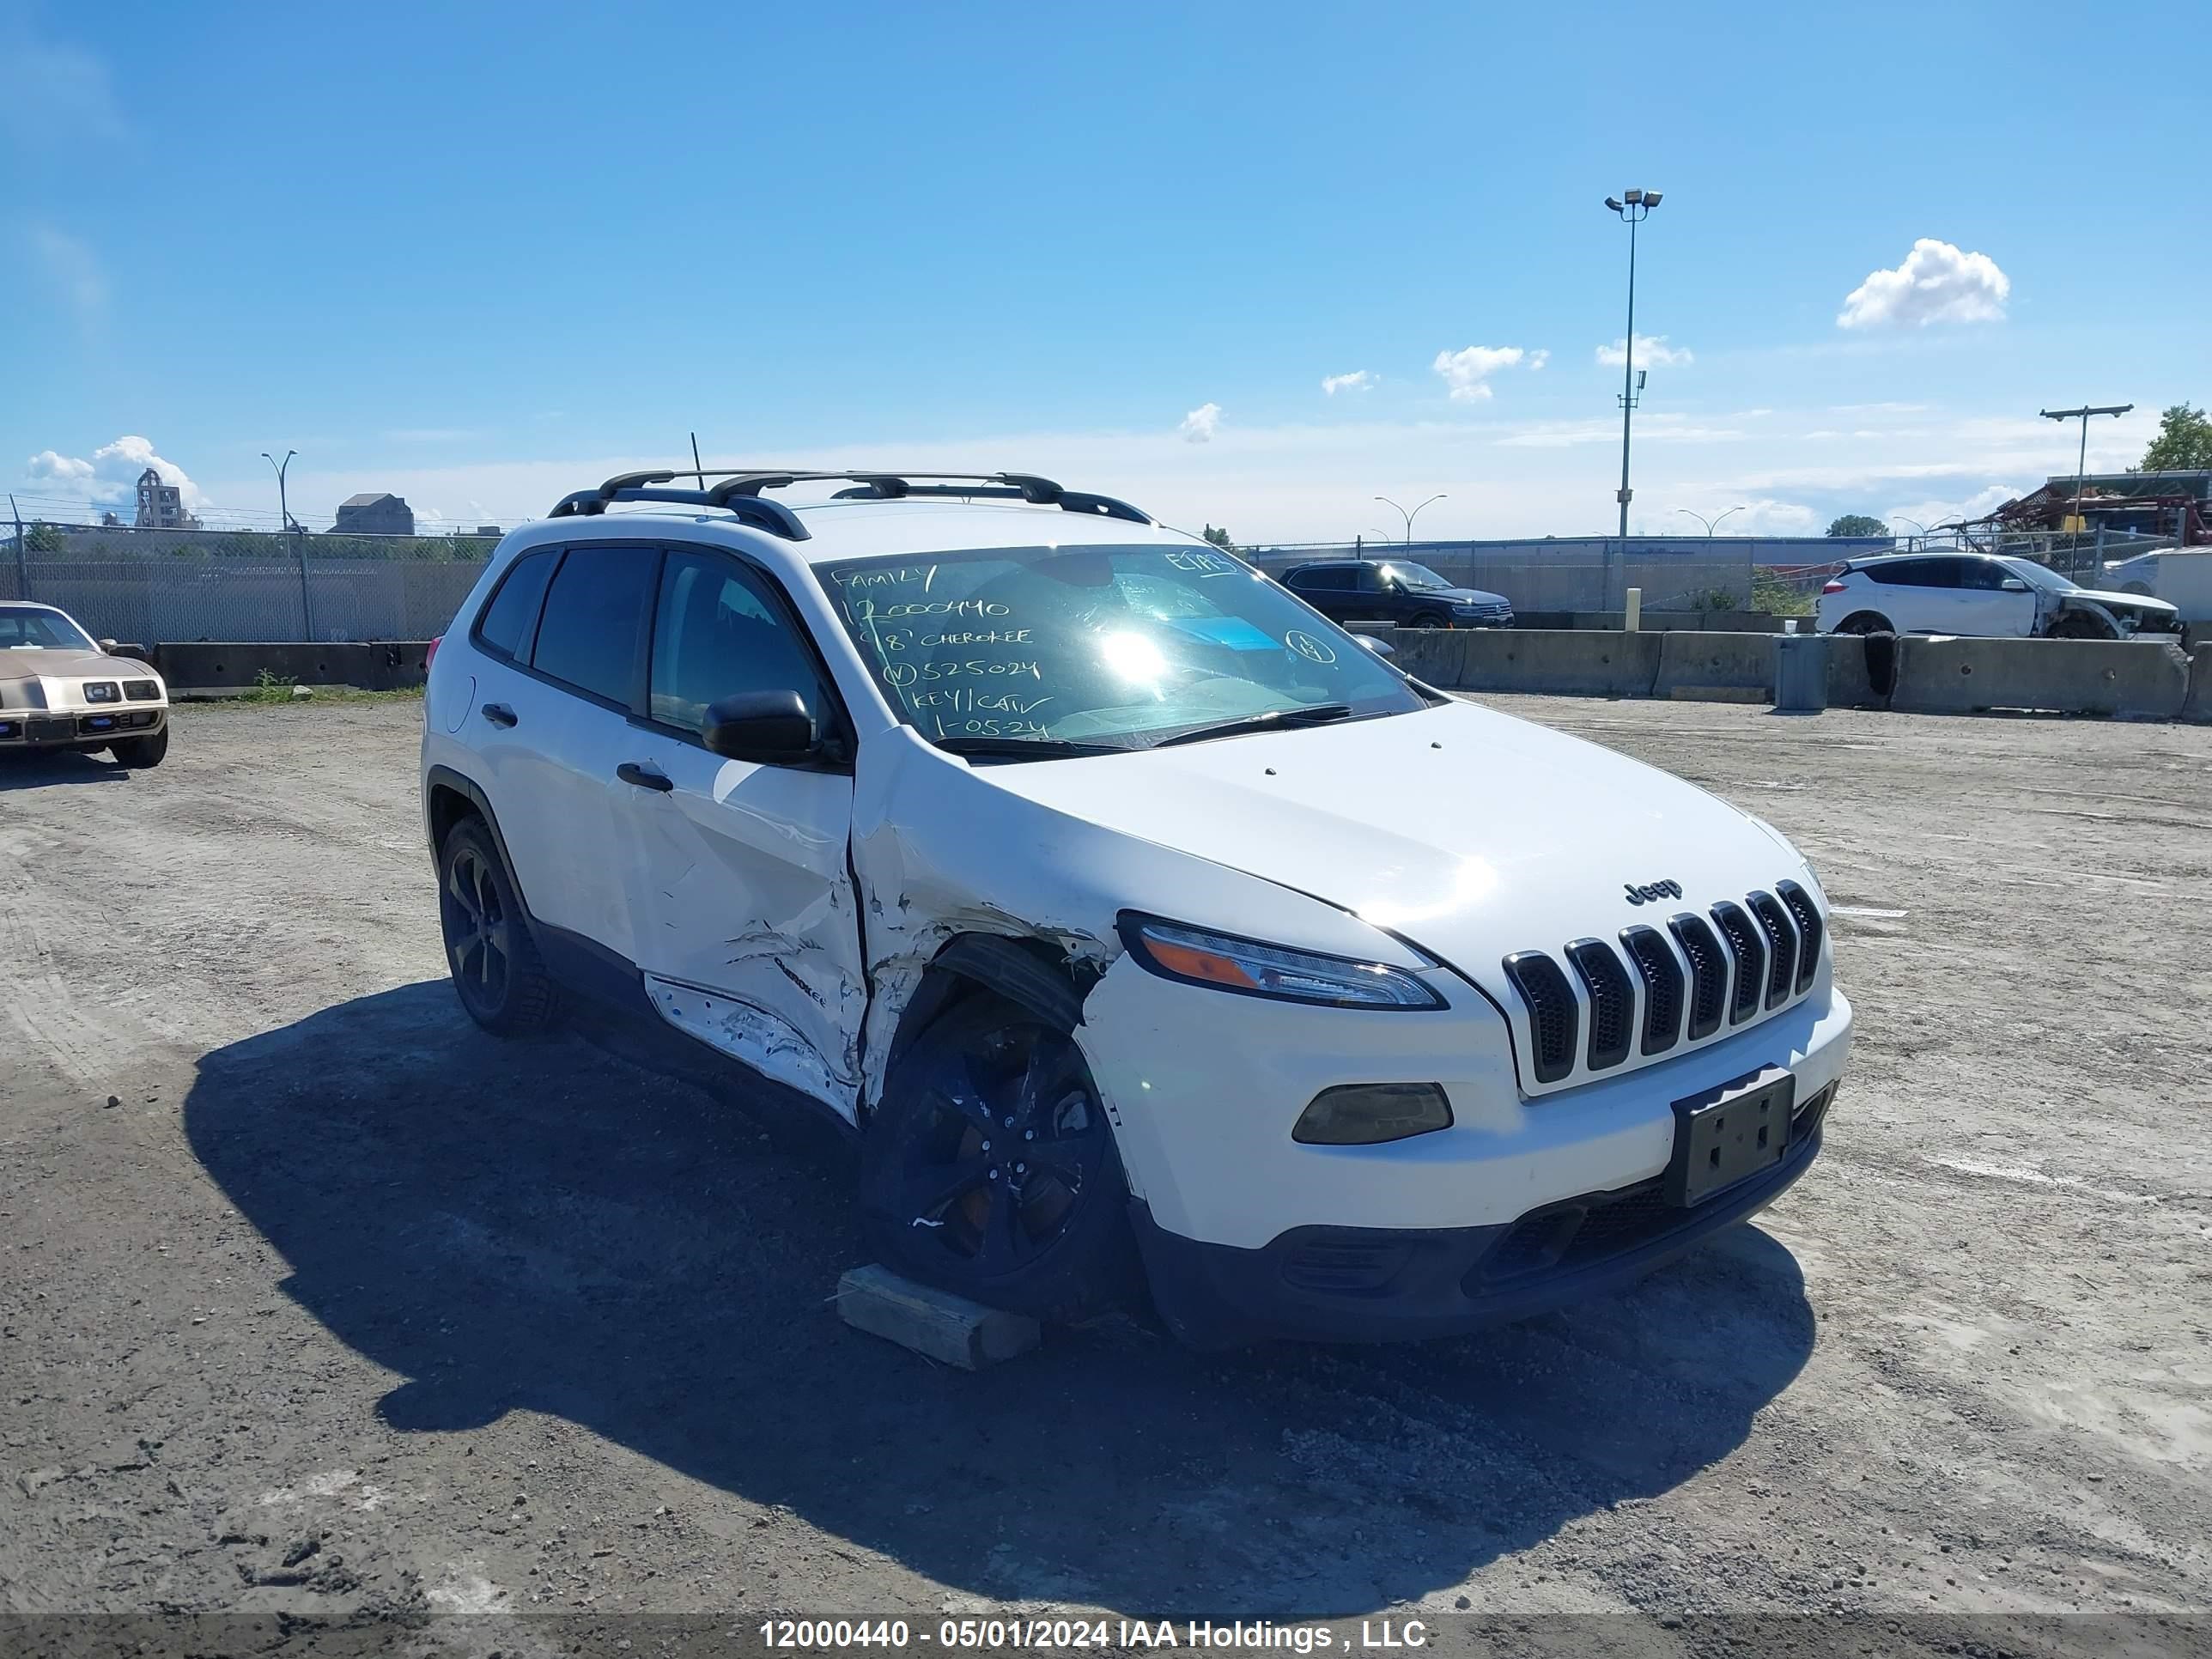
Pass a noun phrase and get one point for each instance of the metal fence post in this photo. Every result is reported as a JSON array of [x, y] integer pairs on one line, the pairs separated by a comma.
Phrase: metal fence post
[[306, 608], [22, 560]]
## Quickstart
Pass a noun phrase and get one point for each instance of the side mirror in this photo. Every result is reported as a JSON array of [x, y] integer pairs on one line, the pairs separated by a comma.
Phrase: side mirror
[[769, 728], [105, 645], [1380, 647], [2012, 584]]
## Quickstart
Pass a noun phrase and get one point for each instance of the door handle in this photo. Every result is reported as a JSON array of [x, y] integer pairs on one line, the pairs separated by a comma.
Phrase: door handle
[[643, 777], [499, 714]]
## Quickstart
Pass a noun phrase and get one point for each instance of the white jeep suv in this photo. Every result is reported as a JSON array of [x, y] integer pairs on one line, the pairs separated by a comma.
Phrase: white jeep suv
[[1130, 913]]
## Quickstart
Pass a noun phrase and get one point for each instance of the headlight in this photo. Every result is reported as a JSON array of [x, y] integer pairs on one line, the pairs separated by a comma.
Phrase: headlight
[[1251, 969]]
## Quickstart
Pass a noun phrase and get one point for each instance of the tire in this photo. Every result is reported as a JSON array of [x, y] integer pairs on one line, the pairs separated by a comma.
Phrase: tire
[[497, 973], [2081, 625], [1865, 621], [137, 754], [1429, 619], [950, 1197]]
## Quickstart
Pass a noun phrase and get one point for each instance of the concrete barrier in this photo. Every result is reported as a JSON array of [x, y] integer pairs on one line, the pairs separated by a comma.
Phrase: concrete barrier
[[1560, 663], [1850, 685], [2129, 678], [2197, 704], [1659, 622], [1716, 667], [1438, 655], [220, 665]]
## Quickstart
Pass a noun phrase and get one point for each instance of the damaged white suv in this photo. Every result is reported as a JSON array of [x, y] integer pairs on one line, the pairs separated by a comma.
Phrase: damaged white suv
[[1133, 915]]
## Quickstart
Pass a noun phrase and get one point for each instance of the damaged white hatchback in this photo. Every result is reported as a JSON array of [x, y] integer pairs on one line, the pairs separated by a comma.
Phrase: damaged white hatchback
[[1139, 920]]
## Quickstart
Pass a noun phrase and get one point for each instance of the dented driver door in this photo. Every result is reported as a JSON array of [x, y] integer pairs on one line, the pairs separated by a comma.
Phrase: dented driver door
[[746, 929]]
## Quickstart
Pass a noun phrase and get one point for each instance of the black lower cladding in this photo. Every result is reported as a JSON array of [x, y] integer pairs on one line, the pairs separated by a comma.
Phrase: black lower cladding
[[1379, 1284]]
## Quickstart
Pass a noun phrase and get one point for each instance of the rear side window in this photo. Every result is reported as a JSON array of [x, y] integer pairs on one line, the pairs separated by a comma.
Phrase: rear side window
[[1324, 579], [504, 628], [1916, 573], [594, 612]]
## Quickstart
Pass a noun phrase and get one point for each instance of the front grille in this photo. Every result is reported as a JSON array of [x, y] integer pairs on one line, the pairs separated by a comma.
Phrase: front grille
[[1782, 946], [141, 690], [1552, 1013], [1662, 987], [1743, 941], [1710, 974], [1612, 998], [1742, 958], [1810, 930], [1582, 1231]]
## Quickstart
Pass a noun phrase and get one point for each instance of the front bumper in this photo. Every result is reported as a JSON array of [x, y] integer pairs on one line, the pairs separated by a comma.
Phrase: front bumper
[[78, 728], [1377, 1285]]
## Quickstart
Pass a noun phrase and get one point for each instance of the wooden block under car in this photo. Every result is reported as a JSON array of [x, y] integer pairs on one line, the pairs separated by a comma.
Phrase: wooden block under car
[[935, 1324]]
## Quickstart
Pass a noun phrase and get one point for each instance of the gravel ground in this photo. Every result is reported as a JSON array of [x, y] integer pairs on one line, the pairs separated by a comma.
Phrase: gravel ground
[[319, 1303]]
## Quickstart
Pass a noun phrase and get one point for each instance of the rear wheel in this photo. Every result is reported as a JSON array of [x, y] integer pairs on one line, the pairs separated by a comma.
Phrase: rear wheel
[[494, 962], [990, 1169], [1865, 621], [139, 753]]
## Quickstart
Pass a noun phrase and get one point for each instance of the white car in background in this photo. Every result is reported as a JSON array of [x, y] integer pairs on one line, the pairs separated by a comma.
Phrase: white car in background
[[1985, 595], [59, 688], [1122, 907]]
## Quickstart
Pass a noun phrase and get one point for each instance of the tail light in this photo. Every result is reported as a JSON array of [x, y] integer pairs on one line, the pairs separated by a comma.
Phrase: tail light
[[431, 655], [1833, 587]]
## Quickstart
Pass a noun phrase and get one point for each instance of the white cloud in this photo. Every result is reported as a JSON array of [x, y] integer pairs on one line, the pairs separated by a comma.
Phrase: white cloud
[[1201, 423], [1932, 511], [72, 270], [1766, 516], [1467, 372], [1935, 283], [111, 474], [1652, 350], [1538, 358], [1357, 381], [57, 96]]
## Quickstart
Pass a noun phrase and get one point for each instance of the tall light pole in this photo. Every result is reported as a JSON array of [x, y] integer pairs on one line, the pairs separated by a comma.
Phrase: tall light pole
[[2082, 461], [1708, 523], [1409, 517], [284, 511], [1634, 207], [299, 547]]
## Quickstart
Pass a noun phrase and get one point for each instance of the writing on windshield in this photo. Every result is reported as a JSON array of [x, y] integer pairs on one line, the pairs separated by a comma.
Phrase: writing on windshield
[[1112, 646]]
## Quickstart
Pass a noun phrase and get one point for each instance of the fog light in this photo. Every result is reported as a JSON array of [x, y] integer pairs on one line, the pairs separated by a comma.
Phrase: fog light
[[1367, 1114]]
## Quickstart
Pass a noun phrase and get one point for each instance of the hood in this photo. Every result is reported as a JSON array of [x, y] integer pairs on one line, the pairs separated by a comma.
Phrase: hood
[[1472, 834], [1463, 595], [2122, 601], [68, 665]]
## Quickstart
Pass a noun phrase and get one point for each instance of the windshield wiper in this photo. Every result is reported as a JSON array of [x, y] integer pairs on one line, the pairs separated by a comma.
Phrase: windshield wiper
[[1318, 715], [1027, 748]]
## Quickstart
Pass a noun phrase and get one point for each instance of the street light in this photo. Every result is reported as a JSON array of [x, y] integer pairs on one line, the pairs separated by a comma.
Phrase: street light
[[2082, 463], [1709, 523], [284, 511], [1409, 517], [1634, 207]]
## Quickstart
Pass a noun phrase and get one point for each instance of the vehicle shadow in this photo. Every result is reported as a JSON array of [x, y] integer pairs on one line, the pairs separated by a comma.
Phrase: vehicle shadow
[[38, 768], [542, 1226]]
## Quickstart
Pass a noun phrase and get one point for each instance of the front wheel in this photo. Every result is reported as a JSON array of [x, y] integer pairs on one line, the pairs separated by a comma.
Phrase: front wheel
[[1429, 619], [989, 1169], [2081, 625], [1865, 621], [136, 754]]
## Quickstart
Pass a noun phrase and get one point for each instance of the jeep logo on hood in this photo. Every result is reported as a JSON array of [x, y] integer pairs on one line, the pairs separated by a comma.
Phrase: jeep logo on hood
[[1653, 893]]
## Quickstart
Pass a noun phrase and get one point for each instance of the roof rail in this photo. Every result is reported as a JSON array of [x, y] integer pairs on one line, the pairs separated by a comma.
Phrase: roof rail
[[738, 491]]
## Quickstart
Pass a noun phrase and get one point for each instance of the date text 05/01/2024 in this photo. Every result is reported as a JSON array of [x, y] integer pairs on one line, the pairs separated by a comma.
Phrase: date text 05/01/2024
[[837, 1634]]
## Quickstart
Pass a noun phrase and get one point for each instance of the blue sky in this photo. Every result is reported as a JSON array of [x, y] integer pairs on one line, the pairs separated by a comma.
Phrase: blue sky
[[483, 254]]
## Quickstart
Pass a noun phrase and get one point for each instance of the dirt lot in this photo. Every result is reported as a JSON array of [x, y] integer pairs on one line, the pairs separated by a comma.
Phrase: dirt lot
[[318, 1301]]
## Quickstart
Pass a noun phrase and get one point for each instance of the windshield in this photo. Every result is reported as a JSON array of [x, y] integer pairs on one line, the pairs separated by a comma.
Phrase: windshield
[[28, 628], [1118, 647], [2036, 575], [1414, 575]]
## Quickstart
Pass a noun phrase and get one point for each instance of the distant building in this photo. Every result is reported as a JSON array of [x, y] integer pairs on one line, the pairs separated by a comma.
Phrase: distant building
[[490, 532], [373, 515], [162, 506]]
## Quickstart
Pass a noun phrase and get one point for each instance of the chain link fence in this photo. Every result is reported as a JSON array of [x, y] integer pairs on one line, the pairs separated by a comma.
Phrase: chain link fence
[[155, 586]]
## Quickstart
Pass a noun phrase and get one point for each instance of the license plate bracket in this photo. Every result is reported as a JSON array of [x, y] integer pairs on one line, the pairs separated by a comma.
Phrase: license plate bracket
[[1730, 1134]]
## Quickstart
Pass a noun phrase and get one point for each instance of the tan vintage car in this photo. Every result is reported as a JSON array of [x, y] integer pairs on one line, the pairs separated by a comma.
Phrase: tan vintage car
[[59, 688]]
